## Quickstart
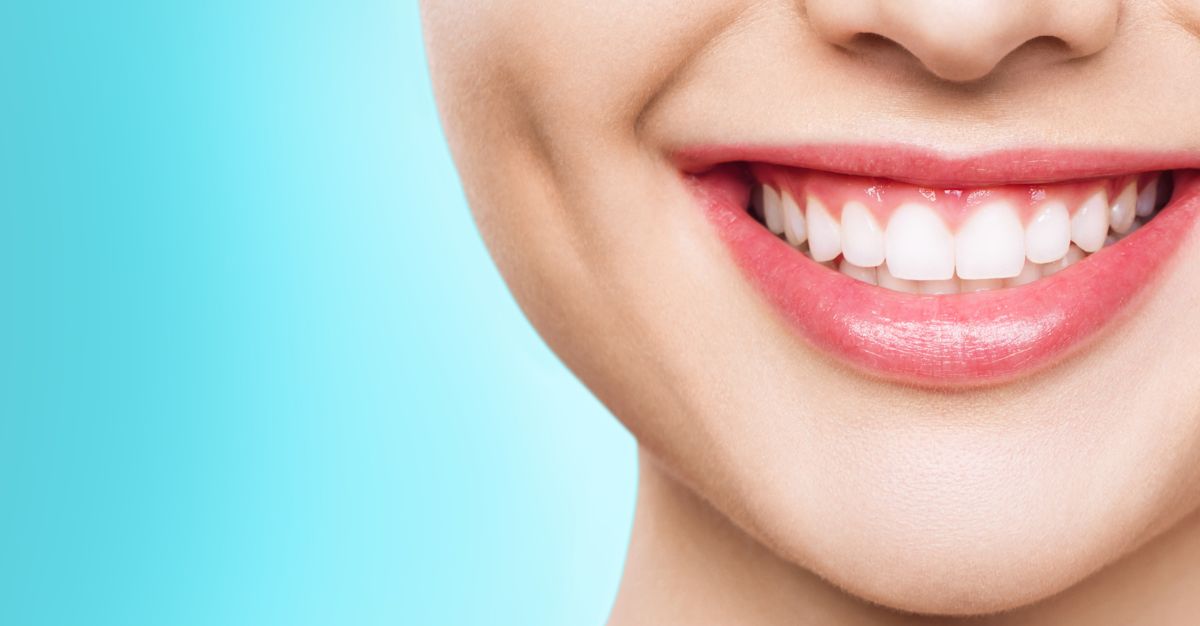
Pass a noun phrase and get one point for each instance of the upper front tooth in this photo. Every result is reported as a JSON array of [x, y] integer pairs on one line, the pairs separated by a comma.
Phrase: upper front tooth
[[1048, 234], [862, 238], [918, 244], [991, 244], [772, 210], [824, 233], [1089, 225], [1147, 198], [794, 226], [1124, 209]]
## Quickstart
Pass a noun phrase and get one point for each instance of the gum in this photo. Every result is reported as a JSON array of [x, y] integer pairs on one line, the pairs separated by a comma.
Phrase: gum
[[883, 196]]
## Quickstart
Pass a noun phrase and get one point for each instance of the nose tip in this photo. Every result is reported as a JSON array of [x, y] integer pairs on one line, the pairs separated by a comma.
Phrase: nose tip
[[966, 40]]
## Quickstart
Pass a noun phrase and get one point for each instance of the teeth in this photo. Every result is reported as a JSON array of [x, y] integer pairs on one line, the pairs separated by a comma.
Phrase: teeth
[[862, 238], [971, 286], [991, 244], [794, 226], [1074, 255], [1147, 199], [824, 232], [1124, 209], [917, 253], [939, 287], [918, 244], [772, 210], [1031, 272], [1048, 234], [1089, 225], [888, 281], [857, 272]]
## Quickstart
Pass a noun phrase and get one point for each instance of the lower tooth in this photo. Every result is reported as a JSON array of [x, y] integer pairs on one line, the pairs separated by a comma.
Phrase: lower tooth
[[864, 274], [1074, 255], [1031, 272], [939, 287], [972, 286], [888, 281]]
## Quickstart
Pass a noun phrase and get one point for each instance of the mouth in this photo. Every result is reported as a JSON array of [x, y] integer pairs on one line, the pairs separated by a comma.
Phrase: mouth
[[947, 271]]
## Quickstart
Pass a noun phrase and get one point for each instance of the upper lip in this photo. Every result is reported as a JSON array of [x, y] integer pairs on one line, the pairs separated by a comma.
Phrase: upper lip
[[924, 166]]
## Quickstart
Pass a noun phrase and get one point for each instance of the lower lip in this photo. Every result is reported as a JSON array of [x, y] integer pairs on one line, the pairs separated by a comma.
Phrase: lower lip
[[949, 340]]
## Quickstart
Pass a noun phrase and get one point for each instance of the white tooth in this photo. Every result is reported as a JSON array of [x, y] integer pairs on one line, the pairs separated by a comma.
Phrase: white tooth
[[1124, 209], [918, 244], [1031, 272], [857, 272], [939, 287], [862, 238], [1089, 225], [971, 286], [772, 210], [886, 279], [991, 243], [1048, 234], [1147, 198], [1074, 255], [794, 227], [824, 233]]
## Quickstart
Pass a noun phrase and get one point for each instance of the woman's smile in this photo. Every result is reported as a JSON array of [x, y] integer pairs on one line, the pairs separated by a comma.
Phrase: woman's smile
[[947, 282], [898, 297]]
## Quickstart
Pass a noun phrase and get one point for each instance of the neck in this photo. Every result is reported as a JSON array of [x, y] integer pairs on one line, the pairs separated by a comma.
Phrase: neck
[[688, 564]]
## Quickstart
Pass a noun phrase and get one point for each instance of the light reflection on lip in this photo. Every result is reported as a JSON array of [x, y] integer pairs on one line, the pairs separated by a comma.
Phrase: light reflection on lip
[[958, 340]]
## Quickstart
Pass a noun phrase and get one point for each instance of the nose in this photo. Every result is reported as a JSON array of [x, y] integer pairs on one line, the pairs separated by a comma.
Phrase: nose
[[965, 40]]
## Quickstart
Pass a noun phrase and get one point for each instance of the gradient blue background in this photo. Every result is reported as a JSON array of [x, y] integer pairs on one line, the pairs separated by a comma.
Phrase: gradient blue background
[[257, 366]]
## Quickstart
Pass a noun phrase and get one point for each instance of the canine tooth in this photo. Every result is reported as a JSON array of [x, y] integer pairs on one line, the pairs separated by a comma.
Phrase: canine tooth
[[972, 286], [862, 238], [886, 279], [1048, 234], [824, 233], [772, 210], [1124, 209], [939, 287], [918, 244], [1029, 273], [1074, 255], [1089, 225], [794, 227], [991, 243], [1147, 199], [857, 272]]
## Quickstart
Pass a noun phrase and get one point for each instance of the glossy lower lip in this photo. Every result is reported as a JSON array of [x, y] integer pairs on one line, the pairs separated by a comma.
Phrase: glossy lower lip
[[949, 340]]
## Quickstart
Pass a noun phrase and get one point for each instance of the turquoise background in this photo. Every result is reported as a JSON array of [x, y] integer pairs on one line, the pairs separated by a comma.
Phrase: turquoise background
[[258, 368]]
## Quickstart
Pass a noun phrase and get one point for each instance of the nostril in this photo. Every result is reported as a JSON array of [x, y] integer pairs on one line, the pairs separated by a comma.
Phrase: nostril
[[964, 41], [949, 64], [945, 62]]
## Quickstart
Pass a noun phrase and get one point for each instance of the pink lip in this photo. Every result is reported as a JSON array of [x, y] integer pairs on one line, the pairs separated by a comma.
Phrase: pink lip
[[950, 340], [919, 166]]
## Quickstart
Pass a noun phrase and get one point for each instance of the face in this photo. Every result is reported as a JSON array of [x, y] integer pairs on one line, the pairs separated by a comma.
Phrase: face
[[904, 289]]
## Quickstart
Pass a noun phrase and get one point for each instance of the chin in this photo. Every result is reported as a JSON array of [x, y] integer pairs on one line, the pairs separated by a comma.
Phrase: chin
[[950, 522]]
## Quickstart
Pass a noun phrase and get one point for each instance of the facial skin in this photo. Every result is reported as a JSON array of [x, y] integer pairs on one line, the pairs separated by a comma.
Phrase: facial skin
[[810, 479]]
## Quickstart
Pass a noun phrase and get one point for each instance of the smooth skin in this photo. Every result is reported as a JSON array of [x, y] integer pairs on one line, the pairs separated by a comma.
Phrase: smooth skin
[[778, 487]]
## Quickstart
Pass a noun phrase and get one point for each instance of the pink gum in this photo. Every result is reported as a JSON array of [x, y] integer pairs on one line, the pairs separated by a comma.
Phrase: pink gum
[[884, 196]]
